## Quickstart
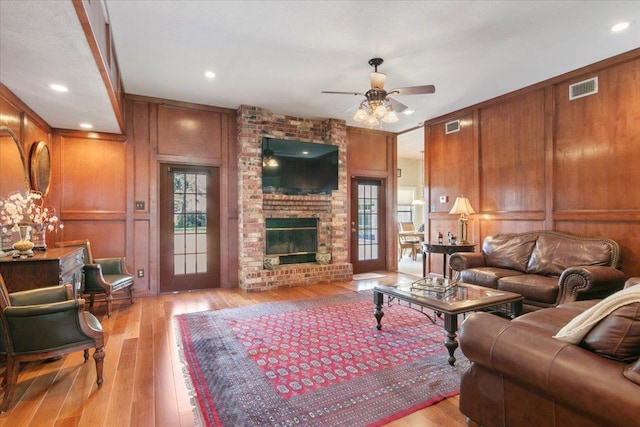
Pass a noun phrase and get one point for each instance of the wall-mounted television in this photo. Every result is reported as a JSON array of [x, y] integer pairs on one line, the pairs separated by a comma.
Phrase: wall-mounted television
[[302, 167]]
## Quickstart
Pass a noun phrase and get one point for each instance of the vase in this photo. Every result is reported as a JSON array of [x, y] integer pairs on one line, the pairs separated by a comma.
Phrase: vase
[[24, 246], [39, 237]]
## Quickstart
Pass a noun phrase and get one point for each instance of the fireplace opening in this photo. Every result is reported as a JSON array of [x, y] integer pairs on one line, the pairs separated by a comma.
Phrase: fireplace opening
[[293, 240]]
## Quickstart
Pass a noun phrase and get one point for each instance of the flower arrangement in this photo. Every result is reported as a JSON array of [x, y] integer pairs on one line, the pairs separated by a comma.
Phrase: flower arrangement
[[27, 209]]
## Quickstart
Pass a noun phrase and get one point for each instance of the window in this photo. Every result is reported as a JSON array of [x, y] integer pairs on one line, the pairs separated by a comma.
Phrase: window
[[405, 213]]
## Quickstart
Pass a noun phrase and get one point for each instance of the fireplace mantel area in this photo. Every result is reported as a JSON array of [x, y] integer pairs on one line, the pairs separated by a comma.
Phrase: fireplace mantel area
[[328, 211]]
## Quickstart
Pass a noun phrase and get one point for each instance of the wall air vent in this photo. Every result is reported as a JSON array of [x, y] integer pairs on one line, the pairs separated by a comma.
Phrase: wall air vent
[[583, 88], [452, 126]]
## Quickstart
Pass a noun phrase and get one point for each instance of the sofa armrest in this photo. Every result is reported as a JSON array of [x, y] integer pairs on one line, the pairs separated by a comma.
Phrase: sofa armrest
[[588, 282], [569, 374], [462, 260]]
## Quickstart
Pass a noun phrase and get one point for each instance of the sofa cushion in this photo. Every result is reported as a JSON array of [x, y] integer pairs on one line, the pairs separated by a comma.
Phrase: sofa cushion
[[617, 336], [551, 320], [486, 276], [552, 254], [509, 250], [532, 287]]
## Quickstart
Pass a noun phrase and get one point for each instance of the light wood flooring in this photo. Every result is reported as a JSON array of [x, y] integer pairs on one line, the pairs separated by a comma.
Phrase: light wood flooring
[[144, 383]]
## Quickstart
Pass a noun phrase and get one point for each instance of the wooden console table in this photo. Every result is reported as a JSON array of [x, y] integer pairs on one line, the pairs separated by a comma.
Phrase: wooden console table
[[444, 249], [55, 266]]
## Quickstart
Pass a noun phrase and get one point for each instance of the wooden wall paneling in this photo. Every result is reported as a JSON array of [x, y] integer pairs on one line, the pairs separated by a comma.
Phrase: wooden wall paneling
[[142, 257], [138, 131], [189, 132], [597, 142], [574, 164], [94, 176], [108, 237], [512, 155], [183, 133], [229, 204], [368, 151], [372, 153], [625, 233], [450, 168]]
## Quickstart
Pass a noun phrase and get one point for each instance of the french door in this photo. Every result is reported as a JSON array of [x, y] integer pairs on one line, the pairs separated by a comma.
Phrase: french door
[[189, 227], [368, 230]]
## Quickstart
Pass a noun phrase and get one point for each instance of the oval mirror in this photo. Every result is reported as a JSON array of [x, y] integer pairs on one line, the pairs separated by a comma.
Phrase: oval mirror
[[40, 167]]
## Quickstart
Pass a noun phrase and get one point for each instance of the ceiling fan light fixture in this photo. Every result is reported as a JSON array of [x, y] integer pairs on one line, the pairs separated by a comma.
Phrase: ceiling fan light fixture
[[371, 121], [380, 111], [391, 117], [361, 115]]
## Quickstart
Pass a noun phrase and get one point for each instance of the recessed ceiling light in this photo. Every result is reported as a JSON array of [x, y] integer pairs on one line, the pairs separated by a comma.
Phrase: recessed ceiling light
[[408, 112], [621, 26], [58, 88], [86, 125], [209, 74]]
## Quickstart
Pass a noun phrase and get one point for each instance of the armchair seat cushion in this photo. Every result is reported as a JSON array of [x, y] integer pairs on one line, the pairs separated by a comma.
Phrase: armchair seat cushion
[[486, 276], [118, 281], [532, 287]]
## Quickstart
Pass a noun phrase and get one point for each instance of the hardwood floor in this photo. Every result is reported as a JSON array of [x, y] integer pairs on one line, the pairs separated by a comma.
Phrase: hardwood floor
[[144, 384]]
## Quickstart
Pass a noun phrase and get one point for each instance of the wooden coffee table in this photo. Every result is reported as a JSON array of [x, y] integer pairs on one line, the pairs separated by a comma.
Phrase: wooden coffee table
[[462, 298]]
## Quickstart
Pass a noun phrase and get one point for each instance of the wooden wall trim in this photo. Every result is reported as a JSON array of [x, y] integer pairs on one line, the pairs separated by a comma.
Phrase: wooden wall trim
[[103, 61], [178, 104], [69, 133]]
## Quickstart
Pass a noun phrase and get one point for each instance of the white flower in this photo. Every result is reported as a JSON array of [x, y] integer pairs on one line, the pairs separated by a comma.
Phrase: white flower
[[20, 209]]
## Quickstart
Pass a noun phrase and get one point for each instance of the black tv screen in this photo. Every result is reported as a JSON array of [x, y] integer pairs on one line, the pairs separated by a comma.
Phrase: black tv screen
[[296, 167]]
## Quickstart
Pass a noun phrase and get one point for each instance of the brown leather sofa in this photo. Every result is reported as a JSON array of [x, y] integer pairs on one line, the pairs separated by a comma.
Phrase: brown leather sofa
[[521, 376], [547, 268]]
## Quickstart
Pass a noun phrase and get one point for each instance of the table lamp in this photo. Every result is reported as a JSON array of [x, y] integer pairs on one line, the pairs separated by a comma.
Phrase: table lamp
[[463, 207]]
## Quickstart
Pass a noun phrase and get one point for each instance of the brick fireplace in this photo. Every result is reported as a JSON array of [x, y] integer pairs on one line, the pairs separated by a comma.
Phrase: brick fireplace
[[331, 211]]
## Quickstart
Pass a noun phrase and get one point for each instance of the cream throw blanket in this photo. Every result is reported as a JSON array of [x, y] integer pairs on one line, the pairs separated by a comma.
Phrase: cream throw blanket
[[574, 331]]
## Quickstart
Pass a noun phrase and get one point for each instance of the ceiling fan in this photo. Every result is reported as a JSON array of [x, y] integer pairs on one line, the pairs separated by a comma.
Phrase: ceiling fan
[[378, 105]]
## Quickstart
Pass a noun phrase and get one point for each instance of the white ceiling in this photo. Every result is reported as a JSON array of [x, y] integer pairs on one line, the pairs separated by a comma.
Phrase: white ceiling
[[280, 55]]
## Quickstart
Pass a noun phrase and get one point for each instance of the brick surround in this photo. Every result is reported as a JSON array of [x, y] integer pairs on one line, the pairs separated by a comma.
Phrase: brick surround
[[332, 211]]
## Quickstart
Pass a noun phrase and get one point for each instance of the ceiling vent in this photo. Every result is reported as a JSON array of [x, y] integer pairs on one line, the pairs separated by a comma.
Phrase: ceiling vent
[[453, 126], [583, 88]]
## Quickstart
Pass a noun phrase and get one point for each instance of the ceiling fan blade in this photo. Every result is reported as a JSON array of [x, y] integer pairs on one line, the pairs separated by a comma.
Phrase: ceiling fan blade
[[351, 110], [343, 93], [414, 90], [398, 106]]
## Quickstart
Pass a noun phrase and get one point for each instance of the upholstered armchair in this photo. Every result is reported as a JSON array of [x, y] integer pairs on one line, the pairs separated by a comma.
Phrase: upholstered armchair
[[43, 323], [103, 276]]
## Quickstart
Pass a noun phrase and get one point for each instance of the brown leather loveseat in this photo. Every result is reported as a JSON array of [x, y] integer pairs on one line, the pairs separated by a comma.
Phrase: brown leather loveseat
[[521, 376], [547, 268]]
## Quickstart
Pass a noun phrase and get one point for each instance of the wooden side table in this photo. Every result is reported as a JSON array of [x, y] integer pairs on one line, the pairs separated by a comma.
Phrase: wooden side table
[[444, 249]]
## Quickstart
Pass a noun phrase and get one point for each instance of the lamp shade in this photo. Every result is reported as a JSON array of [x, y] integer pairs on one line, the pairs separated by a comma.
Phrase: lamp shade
[[462, 206], [377, 80]]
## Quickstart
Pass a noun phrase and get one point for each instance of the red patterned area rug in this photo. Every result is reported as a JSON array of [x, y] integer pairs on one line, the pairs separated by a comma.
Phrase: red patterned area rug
[[314, 362]]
